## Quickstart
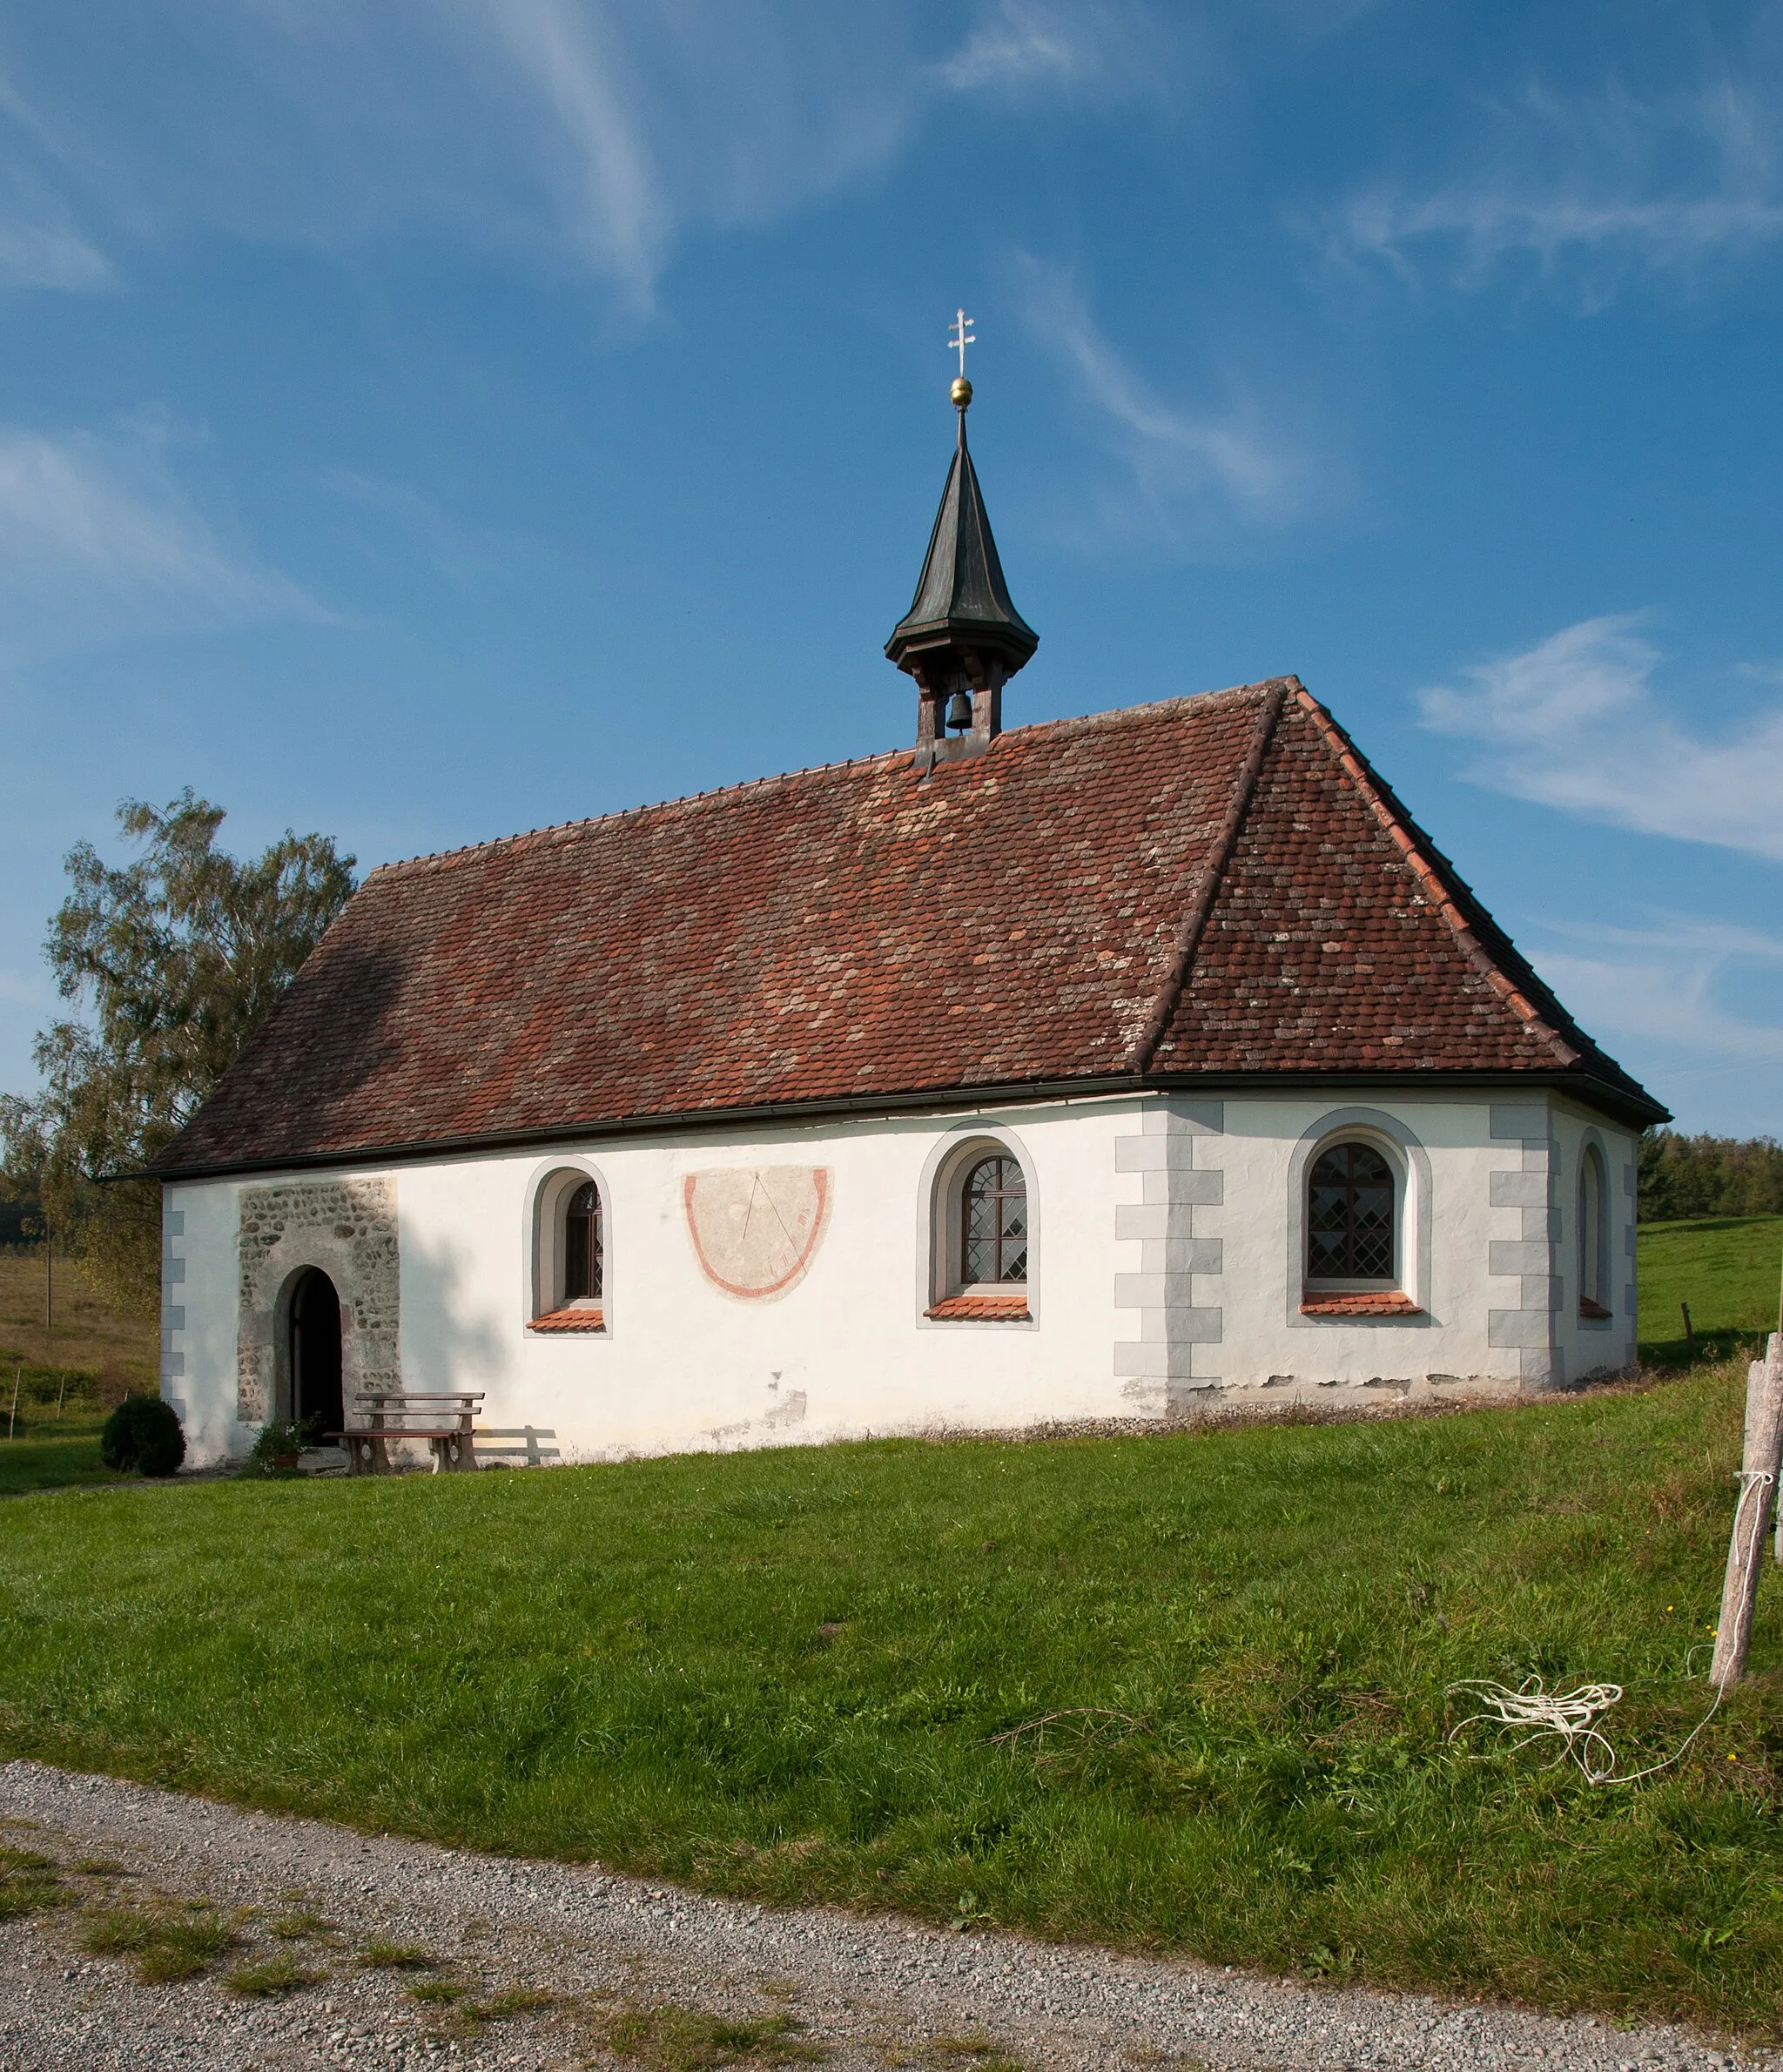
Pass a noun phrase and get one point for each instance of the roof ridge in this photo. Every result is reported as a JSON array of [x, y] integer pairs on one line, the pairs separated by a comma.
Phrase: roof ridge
[[1202, 905], [1153, 708], [1355, 766], [649, 805], [1070, 723]]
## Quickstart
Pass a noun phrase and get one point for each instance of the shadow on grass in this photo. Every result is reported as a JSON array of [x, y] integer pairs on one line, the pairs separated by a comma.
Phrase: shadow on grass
[[1707, 1347]]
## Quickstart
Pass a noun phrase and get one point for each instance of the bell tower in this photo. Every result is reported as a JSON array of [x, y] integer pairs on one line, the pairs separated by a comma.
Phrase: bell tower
[[962, 639]]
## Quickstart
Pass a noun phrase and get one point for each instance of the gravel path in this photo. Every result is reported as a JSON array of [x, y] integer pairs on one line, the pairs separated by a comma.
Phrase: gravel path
[[589, 1949]]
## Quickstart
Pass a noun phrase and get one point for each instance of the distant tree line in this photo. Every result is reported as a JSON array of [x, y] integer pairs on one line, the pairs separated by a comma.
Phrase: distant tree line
[[1709, 1176]]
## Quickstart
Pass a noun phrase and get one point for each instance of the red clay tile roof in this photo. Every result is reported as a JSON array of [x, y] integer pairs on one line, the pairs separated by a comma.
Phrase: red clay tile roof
[[1209, 886], [982, 1309], [1360, 1305], [569, 1319]]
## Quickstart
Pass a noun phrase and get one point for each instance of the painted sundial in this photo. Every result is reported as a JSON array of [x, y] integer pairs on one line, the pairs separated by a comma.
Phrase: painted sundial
[[756, 1229]]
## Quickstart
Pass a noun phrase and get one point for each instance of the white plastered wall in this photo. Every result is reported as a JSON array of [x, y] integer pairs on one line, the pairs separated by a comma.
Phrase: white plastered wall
[[1212, 1223], [1167, 1272], [199, 1278], [1589, 1348], [845, 1351]]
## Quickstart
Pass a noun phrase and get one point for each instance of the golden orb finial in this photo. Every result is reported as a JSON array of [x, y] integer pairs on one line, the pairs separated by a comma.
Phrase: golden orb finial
[[962, 392]]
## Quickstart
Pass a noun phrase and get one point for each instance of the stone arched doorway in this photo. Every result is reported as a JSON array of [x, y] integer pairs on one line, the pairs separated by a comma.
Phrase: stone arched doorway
[[315, 1353], [345, 1230]]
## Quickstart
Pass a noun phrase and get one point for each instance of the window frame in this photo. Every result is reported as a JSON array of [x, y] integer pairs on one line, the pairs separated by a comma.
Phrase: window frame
[[941, 1257], [1591, 1239], [1399, 1144], [552, 1187]]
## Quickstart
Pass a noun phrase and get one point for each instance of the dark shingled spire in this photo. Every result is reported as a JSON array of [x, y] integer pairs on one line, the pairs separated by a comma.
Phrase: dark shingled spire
[[962, 638]]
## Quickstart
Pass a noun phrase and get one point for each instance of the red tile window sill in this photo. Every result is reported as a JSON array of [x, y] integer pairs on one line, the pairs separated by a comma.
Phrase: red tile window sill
[[1593, 1313], [981, 1309], [557, 1321], [1386, 1304]]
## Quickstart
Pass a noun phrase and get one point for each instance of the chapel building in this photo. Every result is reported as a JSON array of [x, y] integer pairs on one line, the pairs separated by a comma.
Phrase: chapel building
[[1096, 1069]]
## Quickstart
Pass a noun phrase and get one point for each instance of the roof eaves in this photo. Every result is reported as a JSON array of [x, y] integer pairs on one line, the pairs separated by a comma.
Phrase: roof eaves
[[1593, 1088]]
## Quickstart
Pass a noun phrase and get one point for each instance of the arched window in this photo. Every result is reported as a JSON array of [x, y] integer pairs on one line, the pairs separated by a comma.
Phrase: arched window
[[993, 1223], [581, 1245], [568, 1287], [1593, 1248], [1349, 1217]]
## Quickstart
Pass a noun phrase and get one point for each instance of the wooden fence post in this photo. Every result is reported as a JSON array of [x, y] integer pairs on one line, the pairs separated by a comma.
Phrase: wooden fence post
[[1751, 1514]]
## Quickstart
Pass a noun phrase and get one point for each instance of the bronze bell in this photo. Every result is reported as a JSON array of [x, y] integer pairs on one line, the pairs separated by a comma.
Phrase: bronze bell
[[960, 710]]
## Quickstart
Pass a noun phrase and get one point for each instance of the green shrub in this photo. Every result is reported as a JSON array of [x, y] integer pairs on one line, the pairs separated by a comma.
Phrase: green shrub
[[143, 1432]]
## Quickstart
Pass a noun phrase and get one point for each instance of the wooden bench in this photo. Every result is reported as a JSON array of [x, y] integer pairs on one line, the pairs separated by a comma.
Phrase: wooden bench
[[442, 1417]]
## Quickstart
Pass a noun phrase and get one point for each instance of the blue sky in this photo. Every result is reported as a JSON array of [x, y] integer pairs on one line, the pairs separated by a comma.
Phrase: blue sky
[[425, 419]]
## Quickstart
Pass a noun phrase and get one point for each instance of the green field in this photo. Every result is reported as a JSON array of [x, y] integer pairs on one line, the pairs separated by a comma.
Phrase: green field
[[86, 1356], [53, 1453], [785, 1674], [1729, 1270]]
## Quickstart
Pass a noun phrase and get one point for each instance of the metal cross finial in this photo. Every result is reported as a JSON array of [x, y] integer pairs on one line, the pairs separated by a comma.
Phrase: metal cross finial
[[961, 329]]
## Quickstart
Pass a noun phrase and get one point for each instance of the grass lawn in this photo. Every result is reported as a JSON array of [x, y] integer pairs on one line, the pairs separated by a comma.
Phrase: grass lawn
[[52, 1453], [784, 1674], [1726, 1267]]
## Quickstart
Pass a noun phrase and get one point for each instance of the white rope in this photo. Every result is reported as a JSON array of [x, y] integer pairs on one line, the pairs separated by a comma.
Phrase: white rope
[[1573, 1715], [1570, 1714]]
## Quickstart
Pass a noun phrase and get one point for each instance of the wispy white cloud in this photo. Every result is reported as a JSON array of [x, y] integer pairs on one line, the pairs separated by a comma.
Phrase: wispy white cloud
[[40, 248], [1186, 467], [464, 554], [1016, 44], [1575, 722], [613, 195], [1589, 188], [594, 134], [1090, 49], [41, 245], [1664, 983], [1661, 999], [99, 541]]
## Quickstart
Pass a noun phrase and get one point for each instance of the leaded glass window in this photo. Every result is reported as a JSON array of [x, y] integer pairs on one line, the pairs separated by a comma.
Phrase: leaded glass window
[[1349, 1216], [995, 1222], [582, 1244]]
